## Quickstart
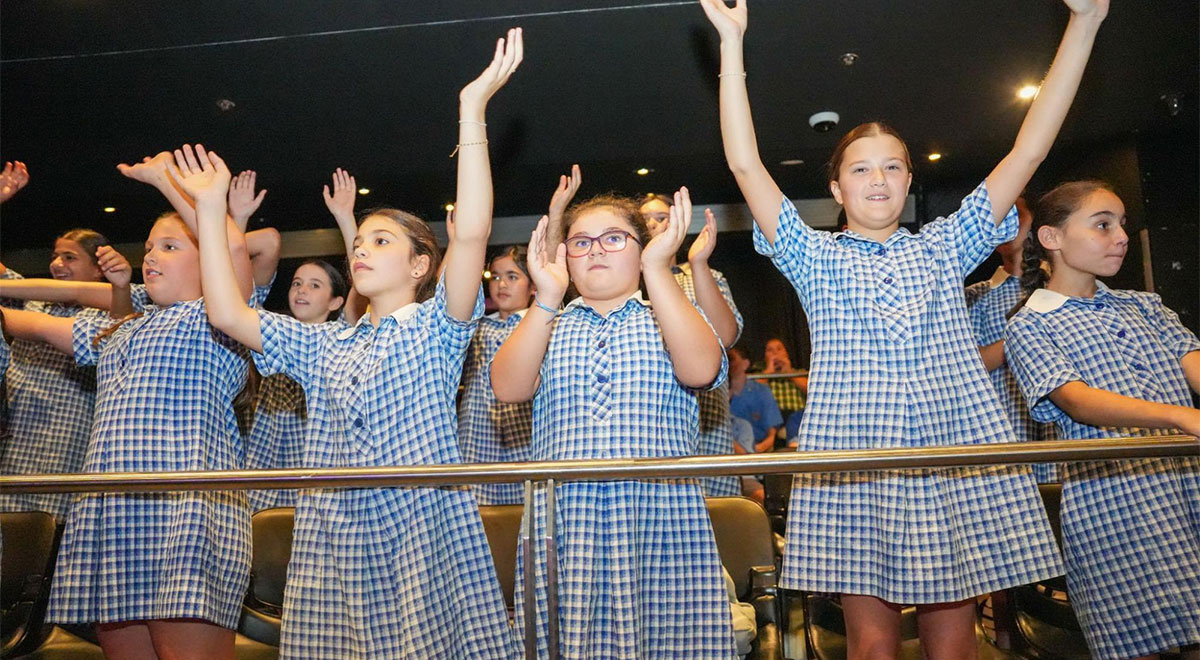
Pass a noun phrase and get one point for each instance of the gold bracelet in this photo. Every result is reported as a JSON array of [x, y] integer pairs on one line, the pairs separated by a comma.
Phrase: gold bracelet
[[722, 75], [466, 144], [472, 121]]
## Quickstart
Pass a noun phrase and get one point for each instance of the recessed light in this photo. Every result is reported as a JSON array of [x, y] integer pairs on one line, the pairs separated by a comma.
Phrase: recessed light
[[1028, 92], [791, 162], [643, 171], [449, 207], [226, 105], [487, 274], [364, 191], [849, 59], [110, 209], [935, 156]]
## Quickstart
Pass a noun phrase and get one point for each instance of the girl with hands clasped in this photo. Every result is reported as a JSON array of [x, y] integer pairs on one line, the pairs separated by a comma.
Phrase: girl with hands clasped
[[615, 376], [894, 364], [384, 573], [1100, 362], [166, 390]]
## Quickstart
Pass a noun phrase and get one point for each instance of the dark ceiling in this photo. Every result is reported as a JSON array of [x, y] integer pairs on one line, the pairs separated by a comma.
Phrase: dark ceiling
[[614, 85]]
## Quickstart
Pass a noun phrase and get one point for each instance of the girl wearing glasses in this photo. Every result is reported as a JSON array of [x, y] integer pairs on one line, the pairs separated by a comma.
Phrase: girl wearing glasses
[[615, 376], [895, 364], [490, 431]]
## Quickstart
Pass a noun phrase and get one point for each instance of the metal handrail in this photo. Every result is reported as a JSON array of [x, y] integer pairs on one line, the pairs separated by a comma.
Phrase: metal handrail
[[802, 373], [1055, 451]]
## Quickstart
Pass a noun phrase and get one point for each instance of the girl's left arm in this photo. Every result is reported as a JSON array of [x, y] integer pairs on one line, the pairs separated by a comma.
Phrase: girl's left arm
[[708, 292], [696, 353], [36, 326], [1049, 108], [473, 202]]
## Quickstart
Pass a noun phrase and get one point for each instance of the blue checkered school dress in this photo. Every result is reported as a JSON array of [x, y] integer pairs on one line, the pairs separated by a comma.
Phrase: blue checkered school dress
[[895, 364], [397, 572], [1131, 529], [50, 403], [166, 384], [490, 431], [276, 436], [987, 307], [716, 422], [639, 574]]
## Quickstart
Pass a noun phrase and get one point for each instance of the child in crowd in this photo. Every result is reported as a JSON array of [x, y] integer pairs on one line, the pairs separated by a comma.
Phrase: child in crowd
[[490, 431], [158, 573], [894, 364], [1100, 362], [988, 304], [614, 376], [707, 289], [400, 572]]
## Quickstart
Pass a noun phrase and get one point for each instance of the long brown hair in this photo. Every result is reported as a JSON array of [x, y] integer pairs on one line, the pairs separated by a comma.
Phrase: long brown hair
[[423, 242], [869, 129]]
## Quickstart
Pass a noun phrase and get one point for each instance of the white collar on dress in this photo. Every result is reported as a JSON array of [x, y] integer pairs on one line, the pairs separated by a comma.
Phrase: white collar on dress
[[635, 296], [1044, 301], [401, 315]]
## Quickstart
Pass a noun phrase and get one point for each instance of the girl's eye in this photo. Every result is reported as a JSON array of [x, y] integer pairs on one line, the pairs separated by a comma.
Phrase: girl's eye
[[296, 284], [581, 243], [381, 241], [613, 239]]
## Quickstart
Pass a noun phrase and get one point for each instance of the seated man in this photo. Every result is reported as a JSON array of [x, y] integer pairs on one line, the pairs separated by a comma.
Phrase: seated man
[[752, 401]]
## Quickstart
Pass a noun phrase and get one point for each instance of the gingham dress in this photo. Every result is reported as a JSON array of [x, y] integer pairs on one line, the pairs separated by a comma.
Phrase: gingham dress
[[276, 437], [987, 307], [166, 384], [490, 431], [895, 364], [50, 403], [385, 573], [716, 425], [1131, 529], [639, 574]]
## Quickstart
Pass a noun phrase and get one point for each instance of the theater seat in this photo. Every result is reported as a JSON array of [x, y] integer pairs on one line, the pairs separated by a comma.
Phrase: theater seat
[[747, 548], [29, 545], [258, 629], [502, 525]]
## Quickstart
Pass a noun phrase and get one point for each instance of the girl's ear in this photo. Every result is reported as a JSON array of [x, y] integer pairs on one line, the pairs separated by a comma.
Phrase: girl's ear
[[1049, 237], [335, 303], [836, 189], [420, 266]]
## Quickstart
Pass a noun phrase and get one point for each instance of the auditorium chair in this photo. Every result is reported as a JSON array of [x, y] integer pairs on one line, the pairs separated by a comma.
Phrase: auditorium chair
[[29, 545], [258, 629], [746, 544]]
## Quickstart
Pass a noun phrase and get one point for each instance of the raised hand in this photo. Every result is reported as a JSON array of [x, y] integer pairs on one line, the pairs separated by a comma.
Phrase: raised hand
[[706, 241], [731, 22], [152, 170], [13, 178], [509, 53], [1094, 8], [550, 277], [567, 187], [345, 189], [201, 174], [242, 200], [660, 251], [114, 265]]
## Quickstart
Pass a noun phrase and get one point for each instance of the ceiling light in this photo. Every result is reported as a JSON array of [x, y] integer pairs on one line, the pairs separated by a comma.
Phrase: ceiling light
[[1028, 92], [449, 207], [935, 156], [791, 161], [110, 209], [849, 59], [364, 191], [226, 105], [643, 171]]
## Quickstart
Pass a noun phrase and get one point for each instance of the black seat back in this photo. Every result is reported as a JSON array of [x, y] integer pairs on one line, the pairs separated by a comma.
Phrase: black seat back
[[26, 564], [272, 533]]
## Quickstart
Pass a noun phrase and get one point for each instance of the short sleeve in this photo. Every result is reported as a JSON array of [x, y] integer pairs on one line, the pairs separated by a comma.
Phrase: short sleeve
[[84, 330], [1171, 332], [1039, 364], [455, 334], [970, 232], [260, 293], [139, 297], [723, 285], [795, 245], [292, 347]]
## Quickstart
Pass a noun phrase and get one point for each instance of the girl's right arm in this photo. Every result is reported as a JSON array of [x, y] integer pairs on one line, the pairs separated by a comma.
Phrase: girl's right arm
[[205, 177], [1097, 407], [516, 369], [35, 326], [341, 206], [87, 294], [737, 127]]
